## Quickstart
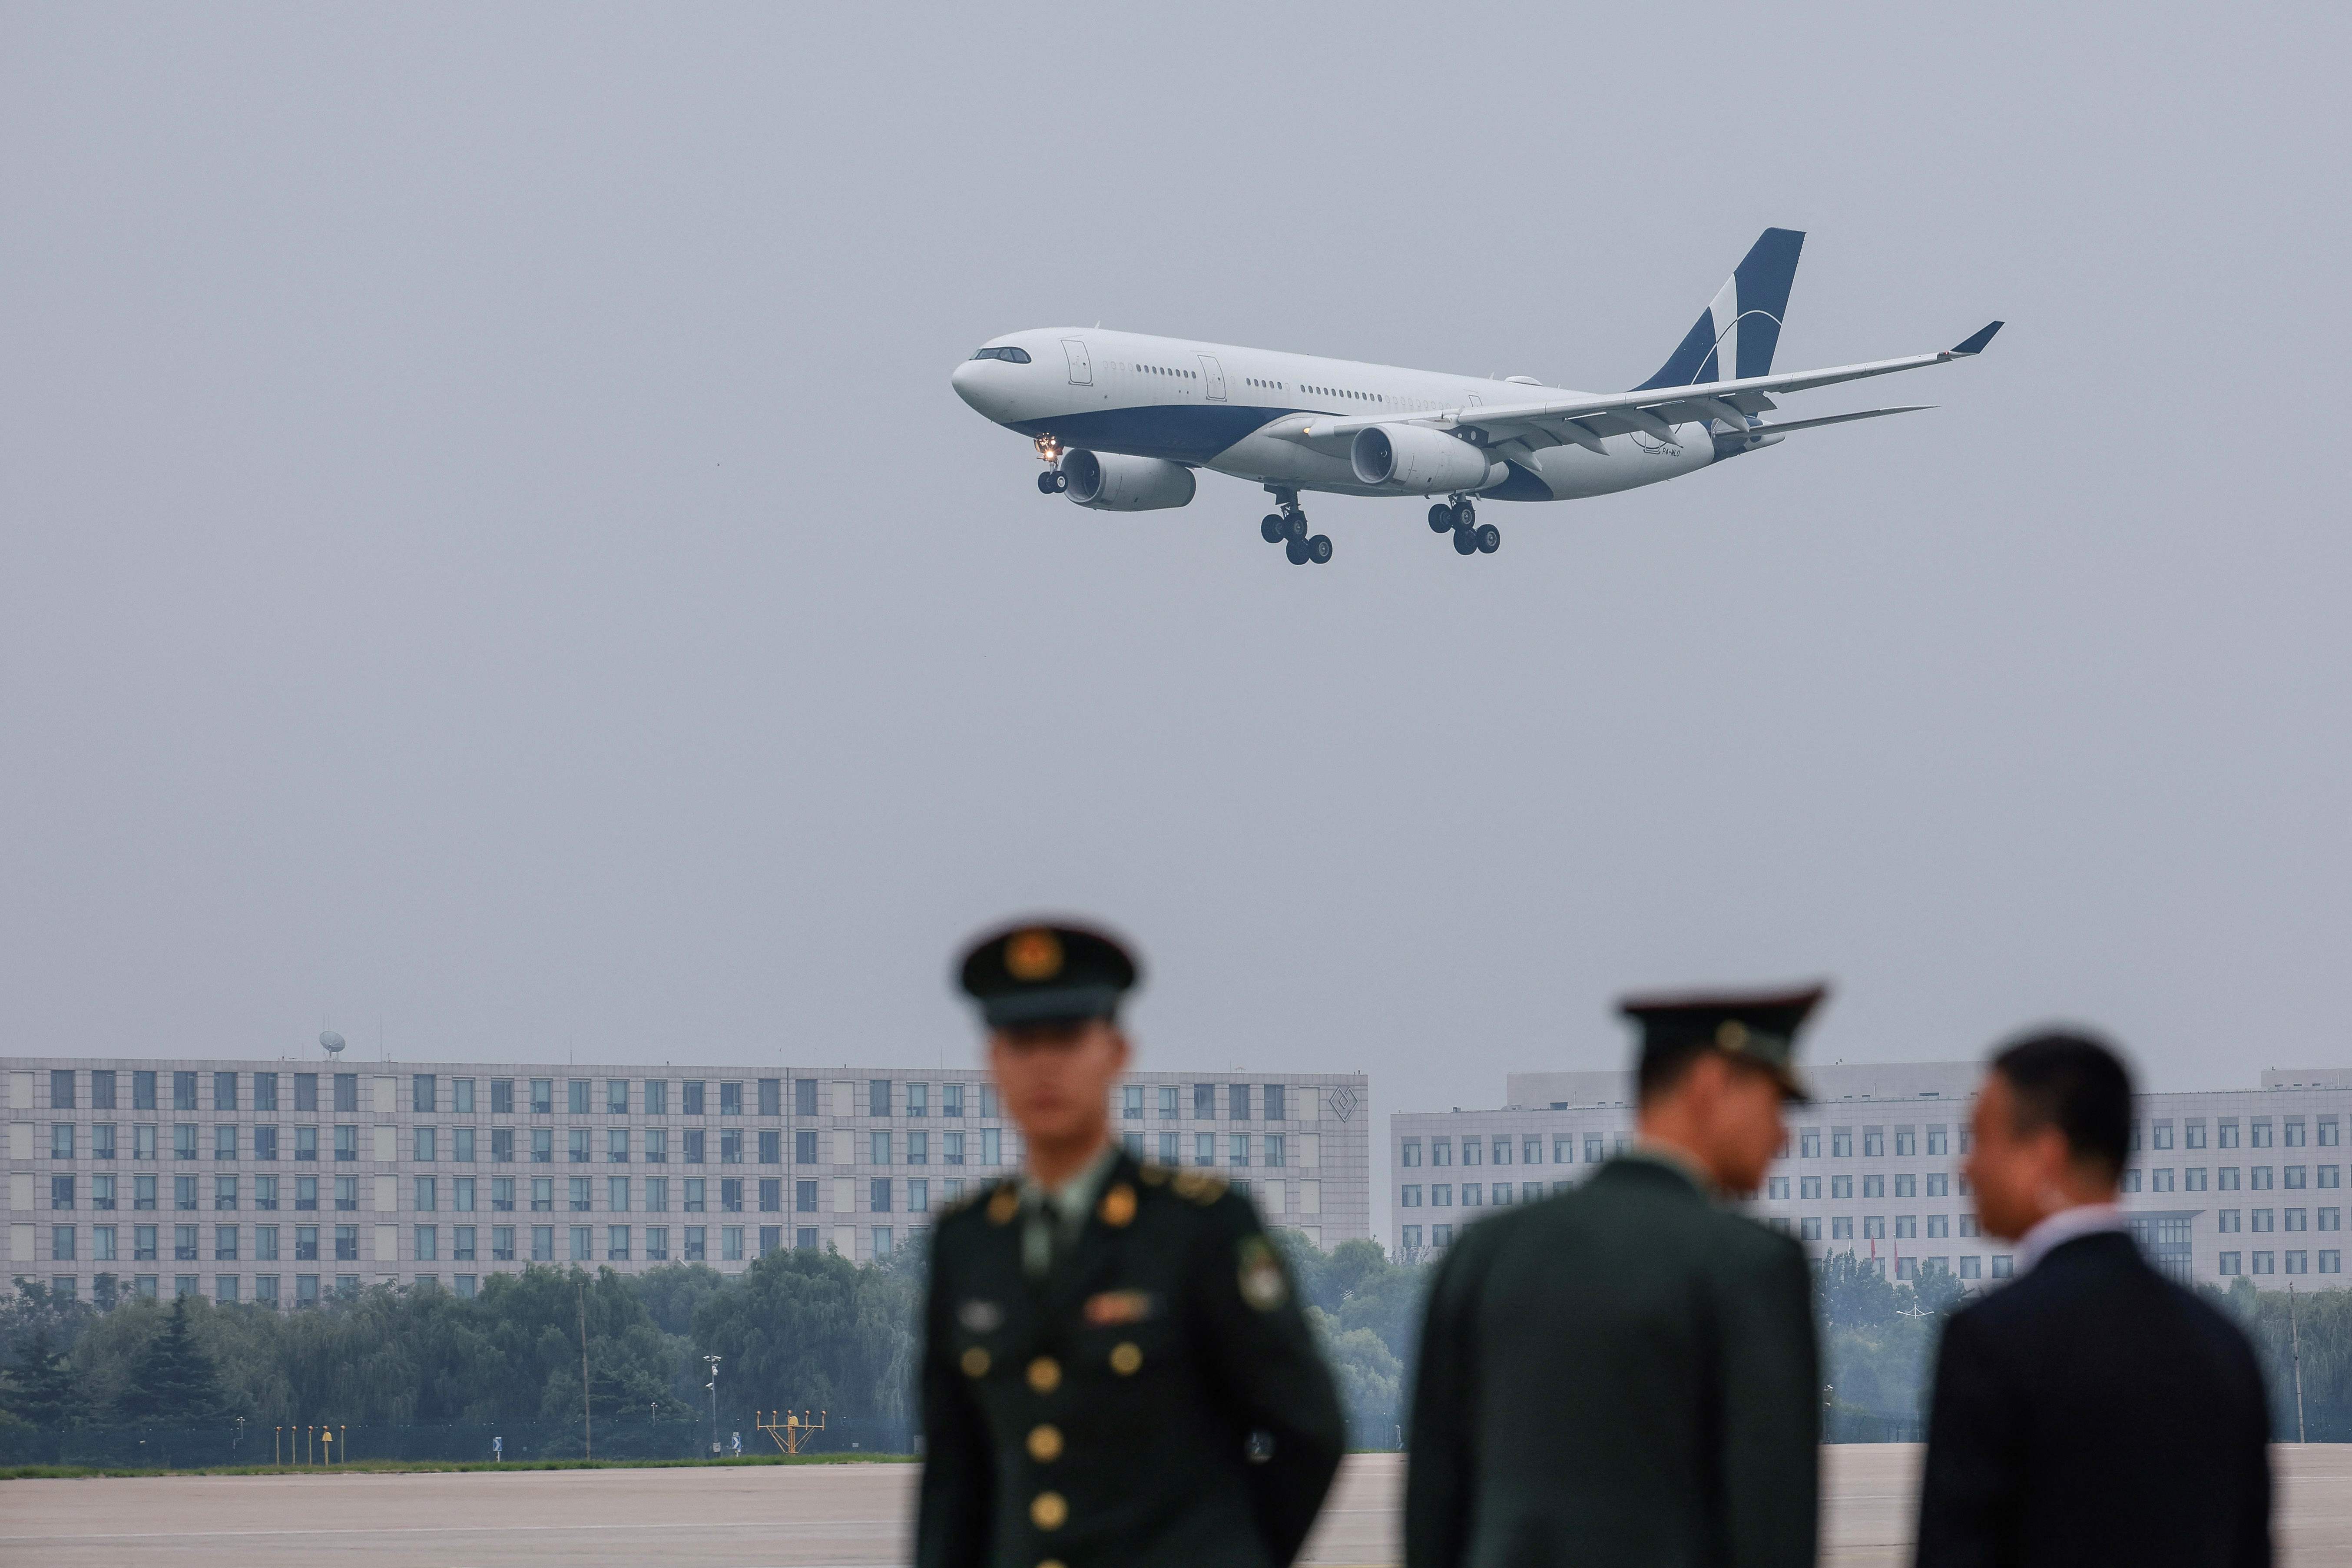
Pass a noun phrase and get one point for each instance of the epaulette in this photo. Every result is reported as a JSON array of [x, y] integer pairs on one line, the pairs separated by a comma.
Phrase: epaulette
[[1200, 1187], [973, 1199], [1154, 1175]]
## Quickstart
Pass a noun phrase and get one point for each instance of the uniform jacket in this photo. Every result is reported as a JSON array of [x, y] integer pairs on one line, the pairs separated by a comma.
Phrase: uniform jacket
[[1624, 1374], [2095, 1412], [1105, 1414]]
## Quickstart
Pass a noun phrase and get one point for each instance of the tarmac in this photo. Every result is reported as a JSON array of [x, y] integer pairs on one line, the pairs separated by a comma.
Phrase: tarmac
[[815, 1516]]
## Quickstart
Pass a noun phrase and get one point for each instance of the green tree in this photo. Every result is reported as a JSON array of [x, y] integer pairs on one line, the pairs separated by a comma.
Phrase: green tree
[[804, 1328], [40, 1387], [174, 1383]]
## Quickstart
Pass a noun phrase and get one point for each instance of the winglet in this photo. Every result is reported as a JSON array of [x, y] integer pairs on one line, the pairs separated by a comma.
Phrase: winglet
[[1975, 344]]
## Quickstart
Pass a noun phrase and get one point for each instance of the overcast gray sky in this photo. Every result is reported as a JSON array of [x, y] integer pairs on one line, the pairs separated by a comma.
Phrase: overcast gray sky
[[492, 561]]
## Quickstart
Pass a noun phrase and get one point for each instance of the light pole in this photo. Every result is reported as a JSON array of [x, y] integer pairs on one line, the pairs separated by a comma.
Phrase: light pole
[[713, 1387], [2296, 1340]]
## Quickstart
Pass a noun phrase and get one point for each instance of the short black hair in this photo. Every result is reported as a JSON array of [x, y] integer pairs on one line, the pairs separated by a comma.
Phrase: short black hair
[[1662, 1067], [2076, 1083]]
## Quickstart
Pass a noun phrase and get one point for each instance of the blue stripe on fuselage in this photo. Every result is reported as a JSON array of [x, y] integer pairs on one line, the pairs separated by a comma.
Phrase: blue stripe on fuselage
[[1181, 433]]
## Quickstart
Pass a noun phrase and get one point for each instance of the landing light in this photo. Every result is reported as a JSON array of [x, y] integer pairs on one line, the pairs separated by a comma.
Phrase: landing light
[[1049, 450]]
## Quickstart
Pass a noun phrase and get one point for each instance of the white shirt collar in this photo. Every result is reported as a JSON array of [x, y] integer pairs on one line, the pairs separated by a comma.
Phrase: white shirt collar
[[2066, 1225]]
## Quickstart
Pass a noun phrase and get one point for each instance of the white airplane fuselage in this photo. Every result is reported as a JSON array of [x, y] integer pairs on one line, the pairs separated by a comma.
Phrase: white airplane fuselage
[[1214, 405]]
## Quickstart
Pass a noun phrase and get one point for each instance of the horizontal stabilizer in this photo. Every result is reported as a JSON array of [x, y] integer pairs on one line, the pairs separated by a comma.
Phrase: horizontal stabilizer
[[1976, 344], [1787, 424]]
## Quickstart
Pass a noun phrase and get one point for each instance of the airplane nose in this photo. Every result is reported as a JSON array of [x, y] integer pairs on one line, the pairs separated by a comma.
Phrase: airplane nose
[[966, 382]]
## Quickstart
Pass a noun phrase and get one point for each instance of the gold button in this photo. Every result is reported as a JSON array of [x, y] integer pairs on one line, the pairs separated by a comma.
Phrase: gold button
[[1125, 1360], [1047, 1510], [1045, 1374], [1046, 1444], [975, 1363]]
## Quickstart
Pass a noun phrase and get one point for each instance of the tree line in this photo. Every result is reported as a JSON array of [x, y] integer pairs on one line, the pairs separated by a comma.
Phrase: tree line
[[812, 1331]]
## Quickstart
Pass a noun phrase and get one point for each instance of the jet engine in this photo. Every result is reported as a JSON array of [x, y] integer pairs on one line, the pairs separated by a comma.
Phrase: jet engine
[[1421, 460], [1109, 481]]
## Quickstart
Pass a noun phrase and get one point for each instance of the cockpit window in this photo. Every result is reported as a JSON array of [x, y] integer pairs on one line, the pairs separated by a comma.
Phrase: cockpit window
[[1008, 354]]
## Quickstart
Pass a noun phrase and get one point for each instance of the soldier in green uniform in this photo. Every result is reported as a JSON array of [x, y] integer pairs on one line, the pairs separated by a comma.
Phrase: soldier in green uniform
[[1115, 1369], [1626, 1374]]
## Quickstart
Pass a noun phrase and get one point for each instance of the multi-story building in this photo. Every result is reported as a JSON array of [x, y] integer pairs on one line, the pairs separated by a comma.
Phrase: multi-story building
[[280, 1181], [2222, 1184]]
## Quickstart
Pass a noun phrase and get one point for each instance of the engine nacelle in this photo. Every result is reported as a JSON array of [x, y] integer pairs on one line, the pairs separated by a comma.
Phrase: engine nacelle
[[1419, 460], [1109, 481]]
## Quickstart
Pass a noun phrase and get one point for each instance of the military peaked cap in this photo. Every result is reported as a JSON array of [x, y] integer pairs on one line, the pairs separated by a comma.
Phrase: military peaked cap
[[1758, 1027], [1047, 973]]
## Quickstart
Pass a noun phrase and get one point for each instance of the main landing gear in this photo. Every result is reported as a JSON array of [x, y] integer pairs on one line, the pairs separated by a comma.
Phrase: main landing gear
[[1460, 518], [1053, 482], [1287, 526]]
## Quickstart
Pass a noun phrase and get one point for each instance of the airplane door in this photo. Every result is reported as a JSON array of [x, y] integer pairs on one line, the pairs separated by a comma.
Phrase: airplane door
[[1082, 370], [1212, 377]]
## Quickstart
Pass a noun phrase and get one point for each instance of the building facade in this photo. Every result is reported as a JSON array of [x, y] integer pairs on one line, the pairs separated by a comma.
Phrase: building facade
[[2222, 1184], [280, 1182]]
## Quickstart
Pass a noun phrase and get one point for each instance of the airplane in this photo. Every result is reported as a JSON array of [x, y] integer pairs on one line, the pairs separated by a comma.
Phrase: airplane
[[1123, 419]]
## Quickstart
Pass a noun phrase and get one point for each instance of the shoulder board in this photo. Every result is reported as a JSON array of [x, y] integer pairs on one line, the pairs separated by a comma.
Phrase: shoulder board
[[1200, 1187], [1153, 1175], [973, 1199]]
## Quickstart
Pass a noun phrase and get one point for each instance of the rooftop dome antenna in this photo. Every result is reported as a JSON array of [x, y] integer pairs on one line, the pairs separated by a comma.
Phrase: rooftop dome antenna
[[331, 1043]]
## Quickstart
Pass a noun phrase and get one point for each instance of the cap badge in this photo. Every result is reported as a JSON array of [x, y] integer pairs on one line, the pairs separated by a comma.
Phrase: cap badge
[[1118, 1206], [1732, 1036], [1032, 955], [1003, 1205]]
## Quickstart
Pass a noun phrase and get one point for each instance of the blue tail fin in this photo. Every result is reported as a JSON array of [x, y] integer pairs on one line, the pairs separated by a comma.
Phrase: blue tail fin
[[1734, 335]]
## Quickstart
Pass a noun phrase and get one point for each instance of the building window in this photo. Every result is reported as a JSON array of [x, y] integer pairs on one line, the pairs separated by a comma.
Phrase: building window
[[804, 1197], [656, 1146], [2265, 1263], [1532, 1150], [2298, 1262], [1130, 1102], [2260, 1219], [2290, 1175], [1168, 1097], [1412, 1237], [1409, 1151], [1411, 1197], [584, 1243], [2226, 1132], [771, 1196], [501, 1145], [2331, 1261], [1841, 1142], [772, 1146], [804, 1097], [1809, 1187], [1842, 1228], [1906, 1227], [2225, 1220], [2227, 1178], [879, 1195], [347, 1243], [1906, 1186], [1874, 1186], [877, 1097], [617, 1243], [2330, 1132], [2331, 1219], [617, 1146]]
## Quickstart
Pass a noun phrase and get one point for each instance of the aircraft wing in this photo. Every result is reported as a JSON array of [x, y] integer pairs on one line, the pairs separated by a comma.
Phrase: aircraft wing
[[1584, 420]]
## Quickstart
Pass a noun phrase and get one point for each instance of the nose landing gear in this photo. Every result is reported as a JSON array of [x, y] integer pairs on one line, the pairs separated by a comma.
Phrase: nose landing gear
[[1287, 526]]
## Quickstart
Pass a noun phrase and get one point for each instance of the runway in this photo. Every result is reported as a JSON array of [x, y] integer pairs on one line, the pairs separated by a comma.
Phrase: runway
[[828, 1516]]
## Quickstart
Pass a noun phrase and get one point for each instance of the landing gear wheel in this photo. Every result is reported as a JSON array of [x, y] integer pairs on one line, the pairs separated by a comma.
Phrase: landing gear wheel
[[1296, 551], [1490, 539], [1045, 485], [1294, 525], [1318, 549], [1464, 514], [1271, 528], [1465, 543], [1440, 517]]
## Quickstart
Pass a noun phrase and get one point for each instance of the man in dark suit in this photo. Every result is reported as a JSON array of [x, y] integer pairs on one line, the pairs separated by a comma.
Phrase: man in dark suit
[[1626, 1374], [1116, 1373], [2093, 1411]]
